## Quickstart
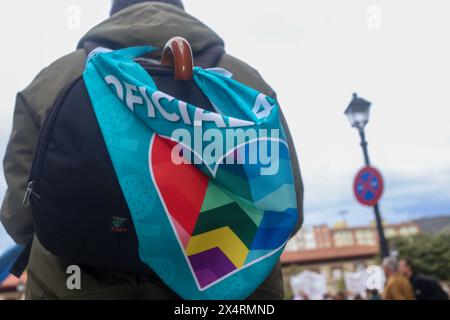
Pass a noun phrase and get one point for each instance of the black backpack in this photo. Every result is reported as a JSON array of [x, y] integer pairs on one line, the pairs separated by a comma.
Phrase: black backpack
[[79, 211]]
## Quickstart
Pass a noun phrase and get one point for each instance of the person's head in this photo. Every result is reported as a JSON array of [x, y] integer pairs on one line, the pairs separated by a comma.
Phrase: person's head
[[406, 267], [390, 266], [119, 5]]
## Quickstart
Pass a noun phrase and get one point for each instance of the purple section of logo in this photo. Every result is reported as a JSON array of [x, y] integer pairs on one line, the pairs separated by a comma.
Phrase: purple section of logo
[[209, 266]]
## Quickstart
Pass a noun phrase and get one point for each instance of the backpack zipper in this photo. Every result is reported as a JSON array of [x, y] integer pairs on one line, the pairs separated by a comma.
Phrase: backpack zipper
[[30, 191]]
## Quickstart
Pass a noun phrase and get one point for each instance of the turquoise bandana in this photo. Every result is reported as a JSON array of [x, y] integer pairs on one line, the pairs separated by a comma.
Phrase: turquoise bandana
[[211, 194]]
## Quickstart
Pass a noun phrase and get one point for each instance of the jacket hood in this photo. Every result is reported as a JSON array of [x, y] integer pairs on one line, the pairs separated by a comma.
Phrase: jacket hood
[[152, 23]]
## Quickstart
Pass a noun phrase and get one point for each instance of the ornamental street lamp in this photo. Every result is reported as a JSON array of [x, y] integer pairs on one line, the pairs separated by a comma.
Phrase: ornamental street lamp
[[358, 114]]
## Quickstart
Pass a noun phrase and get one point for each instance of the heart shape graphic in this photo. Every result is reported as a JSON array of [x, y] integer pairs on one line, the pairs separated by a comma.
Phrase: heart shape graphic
[[217, 236]]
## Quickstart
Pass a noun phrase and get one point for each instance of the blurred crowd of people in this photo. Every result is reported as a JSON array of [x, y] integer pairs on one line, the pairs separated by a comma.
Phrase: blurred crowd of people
[[403, 282]]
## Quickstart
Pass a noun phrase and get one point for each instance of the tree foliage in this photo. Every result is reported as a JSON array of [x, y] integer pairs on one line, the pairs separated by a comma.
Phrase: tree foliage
[[430, 254]]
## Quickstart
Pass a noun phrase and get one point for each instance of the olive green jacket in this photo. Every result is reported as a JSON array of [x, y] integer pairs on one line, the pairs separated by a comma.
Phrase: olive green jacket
[[142, 24]]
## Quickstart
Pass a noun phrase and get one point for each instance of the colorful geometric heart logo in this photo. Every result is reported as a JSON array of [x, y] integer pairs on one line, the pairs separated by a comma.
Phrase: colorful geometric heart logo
[[218, 235]]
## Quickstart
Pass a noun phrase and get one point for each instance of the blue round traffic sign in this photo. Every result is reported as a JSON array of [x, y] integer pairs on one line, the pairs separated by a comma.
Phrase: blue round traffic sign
[[368, 186]]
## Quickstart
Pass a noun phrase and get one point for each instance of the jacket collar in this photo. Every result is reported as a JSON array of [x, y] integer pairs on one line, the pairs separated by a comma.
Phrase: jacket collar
[[152, 23]]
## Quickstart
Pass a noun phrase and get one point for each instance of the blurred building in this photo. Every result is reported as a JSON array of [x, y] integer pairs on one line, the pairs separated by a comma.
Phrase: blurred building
[[322, 237], [13, 288]]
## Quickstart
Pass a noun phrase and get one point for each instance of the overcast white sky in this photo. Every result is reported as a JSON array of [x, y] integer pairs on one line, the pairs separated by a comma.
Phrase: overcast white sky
[[315, 53]]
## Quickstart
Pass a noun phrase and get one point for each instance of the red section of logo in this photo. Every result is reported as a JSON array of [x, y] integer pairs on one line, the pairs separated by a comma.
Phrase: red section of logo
[[368, 186], [182, 187]]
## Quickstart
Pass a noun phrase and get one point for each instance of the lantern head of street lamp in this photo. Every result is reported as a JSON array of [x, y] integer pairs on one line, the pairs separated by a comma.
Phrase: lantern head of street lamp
[[358, 112]]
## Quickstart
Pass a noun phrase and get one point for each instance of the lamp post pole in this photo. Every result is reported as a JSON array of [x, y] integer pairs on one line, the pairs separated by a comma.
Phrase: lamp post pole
[[384, 249]]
